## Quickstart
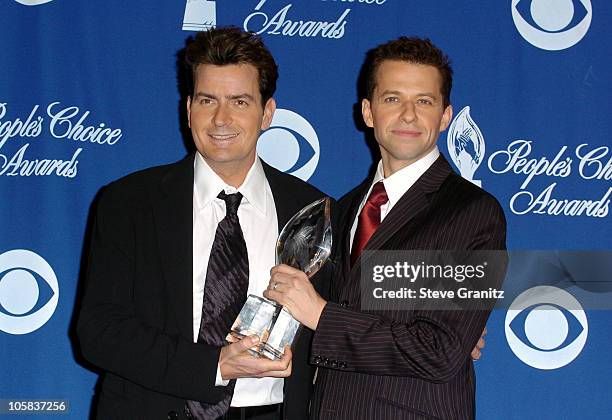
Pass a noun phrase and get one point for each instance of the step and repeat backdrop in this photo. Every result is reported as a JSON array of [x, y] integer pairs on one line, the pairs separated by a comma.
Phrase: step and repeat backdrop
[[92, 90]]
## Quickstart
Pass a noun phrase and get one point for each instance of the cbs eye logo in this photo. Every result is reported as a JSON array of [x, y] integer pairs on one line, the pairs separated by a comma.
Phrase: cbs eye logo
[[33, 2], [552, 24], [29, 291], [290, 144], [546, 327]]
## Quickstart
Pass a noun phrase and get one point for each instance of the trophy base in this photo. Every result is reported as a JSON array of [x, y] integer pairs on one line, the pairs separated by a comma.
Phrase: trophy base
[[255, 318], [283, 332], [274, 326], [270, 352]]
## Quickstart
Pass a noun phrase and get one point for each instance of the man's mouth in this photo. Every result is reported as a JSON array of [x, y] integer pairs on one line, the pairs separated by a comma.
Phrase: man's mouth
[[406, 133], [222, 137]]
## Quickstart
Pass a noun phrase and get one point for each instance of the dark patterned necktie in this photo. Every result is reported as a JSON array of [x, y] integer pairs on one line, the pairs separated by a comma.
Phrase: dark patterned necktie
[[369, 219], [225, 291]]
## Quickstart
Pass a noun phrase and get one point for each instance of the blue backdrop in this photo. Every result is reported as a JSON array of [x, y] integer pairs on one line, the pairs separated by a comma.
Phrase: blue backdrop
[[90, 92]]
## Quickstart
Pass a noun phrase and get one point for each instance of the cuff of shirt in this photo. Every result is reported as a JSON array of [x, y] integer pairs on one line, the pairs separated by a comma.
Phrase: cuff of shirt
[[219, 381]]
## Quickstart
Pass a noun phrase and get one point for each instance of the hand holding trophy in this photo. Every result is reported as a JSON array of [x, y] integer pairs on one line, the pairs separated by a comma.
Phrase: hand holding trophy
[[304, 243]]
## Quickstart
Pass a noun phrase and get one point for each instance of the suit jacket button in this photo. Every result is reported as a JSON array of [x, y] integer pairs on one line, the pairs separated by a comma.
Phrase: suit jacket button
[[344, 303], [334, 363], [326, 361], [317, 360], [172, 415], [342, 365]]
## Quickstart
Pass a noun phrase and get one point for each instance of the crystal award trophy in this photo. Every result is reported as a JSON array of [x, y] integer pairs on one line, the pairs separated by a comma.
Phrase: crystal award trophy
[[304, 243]]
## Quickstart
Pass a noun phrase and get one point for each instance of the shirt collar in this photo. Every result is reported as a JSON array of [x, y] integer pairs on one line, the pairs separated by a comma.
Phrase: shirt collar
[[207, 185], [397, 184]]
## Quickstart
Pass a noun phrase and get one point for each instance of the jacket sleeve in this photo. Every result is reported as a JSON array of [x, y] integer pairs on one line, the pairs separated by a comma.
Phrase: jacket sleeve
[[113, 333], [432, 345]]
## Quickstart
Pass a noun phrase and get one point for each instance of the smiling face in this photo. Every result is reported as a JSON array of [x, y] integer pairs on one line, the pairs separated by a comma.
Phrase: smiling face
[[226, 116], [406, 111]]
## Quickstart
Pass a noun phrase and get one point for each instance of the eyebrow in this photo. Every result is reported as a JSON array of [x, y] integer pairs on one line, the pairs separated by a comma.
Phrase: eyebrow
[[390, 92], [397, 92], [230, 97]]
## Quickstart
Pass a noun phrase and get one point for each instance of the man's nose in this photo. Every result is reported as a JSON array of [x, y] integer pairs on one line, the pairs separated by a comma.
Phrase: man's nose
[[222, 116], [408, 112]]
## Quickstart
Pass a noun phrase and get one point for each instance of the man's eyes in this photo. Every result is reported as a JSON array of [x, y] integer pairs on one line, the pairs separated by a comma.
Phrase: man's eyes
[[420, 101], [238, 102], [391, 99]]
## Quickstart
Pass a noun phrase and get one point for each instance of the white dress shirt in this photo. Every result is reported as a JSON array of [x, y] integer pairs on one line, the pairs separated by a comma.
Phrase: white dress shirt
[[258, 220], [396, 185]]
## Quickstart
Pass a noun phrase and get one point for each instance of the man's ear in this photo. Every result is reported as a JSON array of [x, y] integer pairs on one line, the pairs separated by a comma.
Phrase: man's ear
[[189, 111], [447, 116], [366, 111], [268, 113]]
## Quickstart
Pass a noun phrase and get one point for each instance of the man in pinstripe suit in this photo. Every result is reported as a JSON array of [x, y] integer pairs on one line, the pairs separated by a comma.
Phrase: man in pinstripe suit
[[398, 364]]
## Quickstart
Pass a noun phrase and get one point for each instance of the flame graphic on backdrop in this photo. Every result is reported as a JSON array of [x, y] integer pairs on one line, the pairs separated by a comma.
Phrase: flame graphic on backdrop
[[466, 145]]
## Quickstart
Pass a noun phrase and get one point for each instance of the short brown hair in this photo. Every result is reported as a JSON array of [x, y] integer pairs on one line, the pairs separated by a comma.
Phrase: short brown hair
[[413, 50], [231, 45]]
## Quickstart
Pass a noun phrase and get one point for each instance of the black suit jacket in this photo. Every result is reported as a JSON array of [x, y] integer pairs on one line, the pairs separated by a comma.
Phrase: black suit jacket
[[405, 364], [136, 317]]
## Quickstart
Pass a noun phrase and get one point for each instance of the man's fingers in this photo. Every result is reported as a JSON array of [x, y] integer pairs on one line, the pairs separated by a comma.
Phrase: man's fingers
[[286, 359], [278, 287], [475, 354], [267, 367], [284, 269], [280, 373], [276, 280], [288, 354], [236, 362], [286, 274], [244, 344], [281, 278], [275, 296], [283, 363], [285, 368], [480, 344]]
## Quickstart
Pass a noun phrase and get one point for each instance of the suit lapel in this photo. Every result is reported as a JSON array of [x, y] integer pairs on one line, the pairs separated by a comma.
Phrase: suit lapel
[[412, 203], [174, 223], [284, 199], [349, 217]]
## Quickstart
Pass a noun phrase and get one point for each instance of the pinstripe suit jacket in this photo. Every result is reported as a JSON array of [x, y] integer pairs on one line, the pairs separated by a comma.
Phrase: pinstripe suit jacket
[[405, 364]]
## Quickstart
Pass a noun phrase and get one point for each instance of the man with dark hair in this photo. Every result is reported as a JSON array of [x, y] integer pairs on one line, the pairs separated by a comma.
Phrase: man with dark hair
[[398, 364], [176, 249], [410, 50], [233, 46]]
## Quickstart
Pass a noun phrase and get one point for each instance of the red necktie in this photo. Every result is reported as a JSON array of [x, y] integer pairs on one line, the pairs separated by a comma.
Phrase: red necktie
[[369, 219]]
